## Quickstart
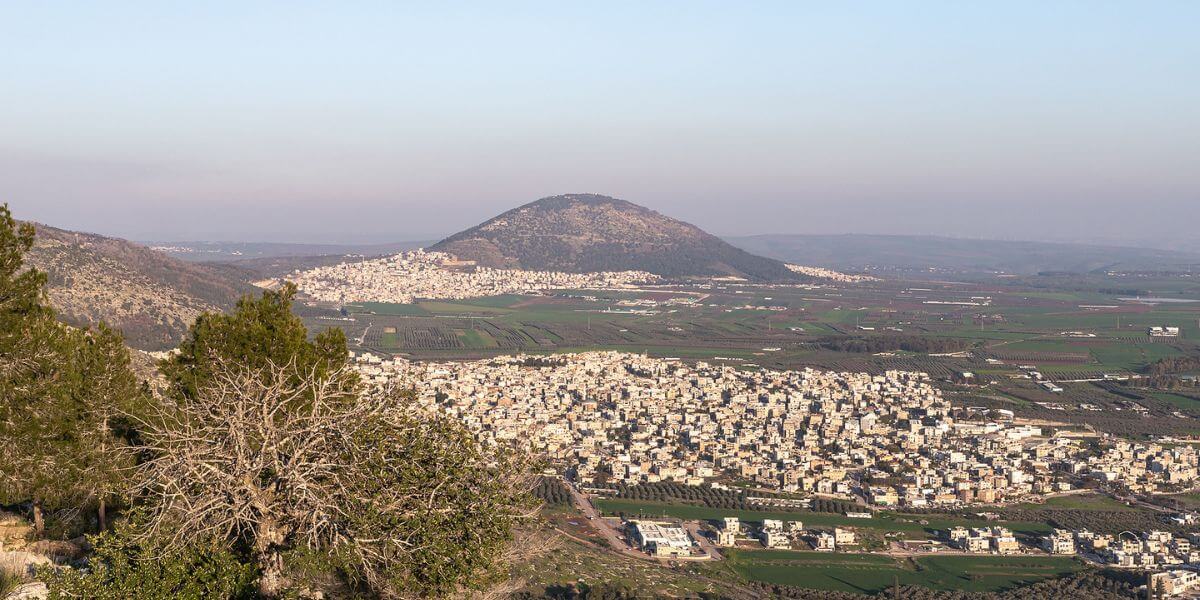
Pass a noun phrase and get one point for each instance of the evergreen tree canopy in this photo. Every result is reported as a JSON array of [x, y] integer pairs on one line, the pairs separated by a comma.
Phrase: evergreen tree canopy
[[61, 392], [258, 333]]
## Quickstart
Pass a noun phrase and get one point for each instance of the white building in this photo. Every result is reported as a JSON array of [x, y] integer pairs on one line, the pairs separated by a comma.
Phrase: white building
[[776, 538], [1173, 583], [662, 540], [1060, 542]]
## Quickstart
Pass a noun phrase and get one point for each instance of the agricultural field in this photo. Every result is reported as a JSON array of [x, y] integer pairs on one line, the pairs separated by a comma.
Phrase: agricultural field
[[1083, 338], [561, 560], [910, 526], [1081, 502], [1077, 334], [871, 573]]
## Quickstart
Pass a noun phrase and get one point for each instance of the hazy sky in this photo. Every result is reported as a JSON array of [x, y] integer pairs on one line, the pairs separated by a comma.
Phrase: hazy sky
[[324, 121]]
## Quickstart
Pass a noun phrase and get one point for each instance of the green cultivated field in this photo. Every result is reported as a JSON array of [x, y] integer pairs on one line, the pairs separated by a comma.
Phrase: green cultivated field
[[1082, 502], [869, 573], [909, 525], [387, 308], [1023, 324]]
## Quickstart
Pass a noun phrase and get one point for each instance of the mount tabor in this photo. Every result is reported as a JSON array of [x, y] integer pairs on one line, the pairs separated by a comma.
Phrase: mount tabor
[[588, 232]]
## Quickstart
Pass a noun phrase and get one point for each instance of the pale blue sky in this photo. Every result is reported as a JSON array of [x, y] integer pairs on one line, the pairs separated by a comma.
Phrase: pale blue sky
[[369, 121]]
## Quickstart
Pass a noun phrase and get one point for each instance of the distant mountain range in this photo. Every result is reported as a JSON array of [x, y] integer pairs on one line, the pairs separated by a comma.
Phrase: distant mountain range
[[913, 254], [589, 232], [256, 251], [153, 297], [148, 295]]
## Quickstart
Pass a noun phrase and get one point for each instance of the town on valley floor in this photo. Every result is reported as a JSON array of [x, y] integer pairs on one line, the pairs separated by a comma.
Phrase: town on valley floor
[[885, 443]]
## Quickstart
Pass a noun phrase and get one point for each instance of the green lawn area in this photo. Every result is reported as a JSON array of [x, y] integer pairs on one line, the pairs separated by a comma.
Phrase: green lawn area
[[448, 307], [389, 340], [870, 573], [1131, 356], [910, 525], [1046, 345], [1177, 399], [474, 338], [1081, 502], [503, 301]]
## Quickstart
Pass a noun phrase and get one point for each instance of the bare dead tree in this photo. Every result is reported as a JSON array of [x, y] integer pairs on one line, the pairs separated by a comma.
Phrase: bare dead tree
[[297, 463]]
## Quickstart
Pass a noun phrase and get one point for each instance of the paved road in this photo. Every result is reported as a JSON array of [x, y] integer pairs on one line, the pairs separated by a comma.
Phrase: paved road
[[609, 529], [606, 529], [693, 528]]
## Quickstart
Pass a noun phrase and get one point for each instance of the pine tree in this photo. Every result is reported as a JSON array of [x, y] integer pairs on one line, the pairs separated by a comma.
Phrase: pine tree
[[260, 332], [61, 391], [32, 375]]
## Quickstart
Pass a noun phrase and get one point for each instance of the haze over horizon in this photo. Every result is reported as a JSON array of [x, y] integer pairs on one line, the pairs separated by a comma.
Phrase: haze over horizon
[[277, 122]]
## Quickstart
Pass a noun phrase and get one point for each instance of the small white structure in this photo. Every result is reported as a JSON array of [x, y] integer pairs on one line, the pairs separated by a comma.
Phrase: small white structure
[[843, 537], [1163, 331]]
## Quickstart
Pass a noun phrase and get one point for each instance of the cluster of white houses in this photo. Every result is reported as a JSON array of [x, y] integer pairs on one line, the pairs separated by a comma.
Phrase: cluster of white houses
[[405, 277], [1147, 549], [892, 439], [823, 273], [781, 534], [671, 540]]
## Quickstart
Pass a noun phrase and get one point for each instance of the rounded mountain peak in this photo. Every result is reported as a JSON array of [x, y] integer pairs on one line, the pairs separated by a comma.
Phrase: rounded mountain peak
[[593, 232], [562, 201]]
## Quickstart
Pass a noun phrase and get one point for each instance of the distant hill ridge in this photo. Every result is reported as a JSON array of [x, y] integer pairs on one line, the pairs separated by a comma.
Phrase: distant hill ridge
[[148, 295], [915, 253], [590, 232]]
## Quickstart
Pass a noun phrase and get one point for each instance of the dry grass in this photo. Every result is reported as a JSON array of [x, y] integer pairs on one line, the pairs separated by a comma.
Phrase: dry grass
[[13, 573]]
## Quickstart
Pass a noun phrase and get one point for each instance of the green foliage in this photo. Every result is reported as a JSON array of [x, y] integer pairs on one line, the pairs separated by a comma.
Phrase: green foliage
[[8, 582], [442, 542], [552, 491], [1173, 364], [366, 491], [62, 388], [125, 566], [1083, 586], [259, 332], [20, 289]]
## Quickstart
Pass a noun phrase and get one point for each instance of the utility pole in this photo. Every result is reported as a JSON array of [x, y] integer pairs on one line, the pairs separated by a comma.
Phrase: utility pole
[[895, 587]]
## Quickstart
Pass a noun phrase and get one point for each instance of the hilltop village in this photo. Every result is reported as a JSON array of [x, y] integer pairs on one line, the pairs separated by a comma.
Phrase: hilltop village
[[404, 277], [887, 440]]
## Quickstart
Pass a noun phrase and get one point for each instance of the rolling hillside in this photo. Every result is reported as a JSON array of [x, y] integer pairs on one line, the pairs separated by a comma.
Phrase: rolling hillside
[[151, 297]]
